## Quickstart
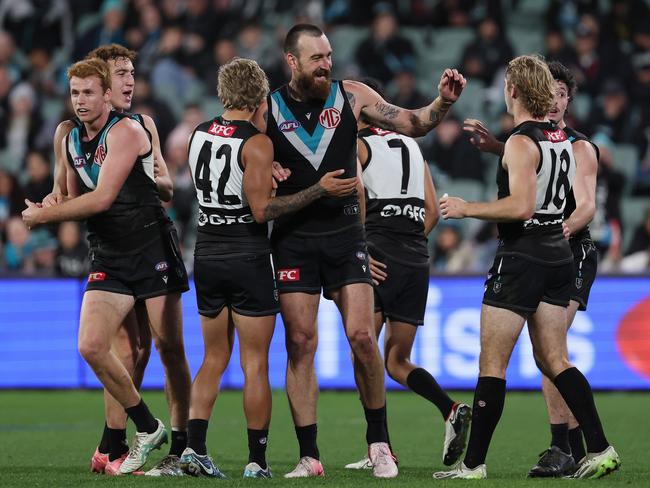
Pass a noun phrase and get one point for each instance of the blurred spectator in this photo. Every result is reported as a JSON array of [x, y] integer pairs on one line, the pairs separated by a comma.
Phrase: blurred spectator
[[385, 53], [606, 225], [641, 239], [5, 88], [44, 252], [18, 250], [109, 30], [39, 177], [11, 197], [145, 102], [72, 252], [407, 94], [448, 255], [251, 44], [145, 35], [45, 24], [451, 152], [611, 114], [9, 59], [565, 14], [557, 49], [490, 51], [223, 51], [623, 20], [451, 13], [23, 126]]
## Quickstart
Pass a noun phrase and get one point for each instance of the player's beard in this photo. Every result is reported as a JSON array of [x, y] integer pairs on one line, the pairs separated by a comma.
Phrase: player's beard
[[310, 89]]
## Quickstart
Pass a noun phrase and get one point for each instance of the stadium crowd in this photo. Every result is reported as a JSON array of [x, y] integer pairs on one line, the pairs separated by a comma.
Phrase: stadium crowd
[[403, 44]]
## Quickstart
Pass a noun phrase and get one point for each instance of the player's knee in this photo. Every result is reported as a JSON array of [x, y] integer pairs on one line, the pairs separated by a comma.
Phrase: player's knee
[[301, 344], [255, 369], [362, 343], [93, 351], [395, 364], [171, 352]]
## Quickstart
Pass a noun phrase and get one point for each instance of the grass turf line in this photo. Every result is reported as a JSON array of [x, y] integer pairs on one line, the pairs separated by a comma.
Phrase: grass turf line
[[47, 439]]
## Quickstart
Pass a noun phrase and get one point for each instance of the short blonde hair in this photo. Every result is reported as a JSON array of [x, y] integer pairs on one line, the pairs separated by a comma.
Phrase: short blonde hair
[[534, 82], [242, 85], [92, 67]]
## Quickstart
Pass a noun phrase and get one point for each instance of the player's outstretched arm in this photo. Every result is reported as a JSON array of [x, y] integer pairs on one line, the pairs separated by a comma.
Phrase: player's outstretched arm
[[431, 211], [130, 138], [482, 138], [414, 123], [161, 173], [60, 187], [520, 158], [257, 157], [584, 186]]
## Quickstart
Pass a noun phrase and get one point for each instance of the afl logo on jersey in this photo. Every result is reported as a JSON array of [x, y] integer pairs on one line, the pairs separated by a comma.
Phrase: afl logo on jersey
[[100, 155], [79, 162], [329, 118], [162, 266], [289, 125]]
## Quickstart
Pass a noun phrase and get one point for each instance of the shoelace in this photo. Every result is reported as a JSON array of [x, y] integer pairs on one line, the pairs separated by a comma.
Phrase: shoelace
[[168, 462], [382, 456], [134, 452]]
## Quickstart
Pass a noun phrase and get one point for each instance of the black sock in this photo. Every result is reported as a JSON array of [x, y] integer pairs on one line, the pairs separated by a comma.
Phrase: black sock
[[117, 443], [103, 446], [179, 442], [376, 430], [560, 437], [197, 430], [575, 390], [421, 382], [577, 446], [307, 441], [489, 397], [386, 428], [257, 442], [142, 418]]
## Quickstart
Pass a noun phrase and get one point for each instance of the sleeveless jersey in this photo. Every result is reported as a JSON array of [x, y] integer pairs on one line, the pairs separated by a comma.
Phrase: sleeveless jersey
[[225, 225], [394, 183], [311, 139], [575, 136], [540, 238], [126, 225]]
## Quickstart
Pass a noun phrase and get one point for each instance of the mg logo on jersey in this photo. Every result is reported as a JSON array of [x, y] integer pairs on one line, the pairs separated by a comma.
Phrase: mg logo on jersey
[[222, 130], [329, 118], [100, 155], [289, 125], [99, 276], [289, 274], [555, 136]]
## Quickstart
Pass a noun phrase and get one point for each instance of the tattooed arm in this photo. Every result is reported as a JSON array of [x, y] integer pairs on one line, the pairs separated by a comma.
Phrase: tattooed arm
[[257, 158], [413, 123]]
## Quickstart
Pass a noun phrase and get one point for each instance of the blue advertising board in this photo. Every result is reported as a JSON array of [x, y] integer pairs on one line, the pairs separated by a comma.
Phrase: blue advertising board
[[610, 342]]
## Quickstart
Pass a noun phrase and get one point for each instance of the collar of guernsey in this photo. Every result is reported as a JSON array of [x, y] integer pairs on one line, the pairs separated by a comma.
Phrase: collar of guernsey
[[89, 173], [312, 146]]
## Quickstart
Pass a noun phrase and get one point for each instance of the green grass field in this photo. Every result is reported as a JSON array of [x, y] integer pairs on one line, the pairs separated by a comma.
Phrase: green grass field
[[47, 438]]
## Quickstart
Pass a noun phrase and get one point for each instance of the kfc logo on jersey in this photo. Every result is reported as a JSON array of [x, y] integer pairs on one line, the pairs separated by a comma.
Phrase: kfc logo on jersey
[[289, 125], [100, 155], [289, 274], [222, 130], [329, 118], [381, 132], [555, 136], [99, 276]]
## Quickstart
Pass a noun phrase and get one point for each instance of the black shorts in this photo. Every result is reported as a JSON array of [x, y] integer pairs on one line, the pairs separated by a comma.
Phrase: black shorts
[[402, 296], [585, 261], [243, 284], [156, 270], [520, 285], [308, 263]]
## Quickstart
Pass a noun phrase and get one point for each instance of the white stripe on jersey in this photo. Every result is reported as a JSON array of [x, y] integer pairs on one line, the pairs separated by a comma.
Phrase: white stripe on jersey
[[383, 176]]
